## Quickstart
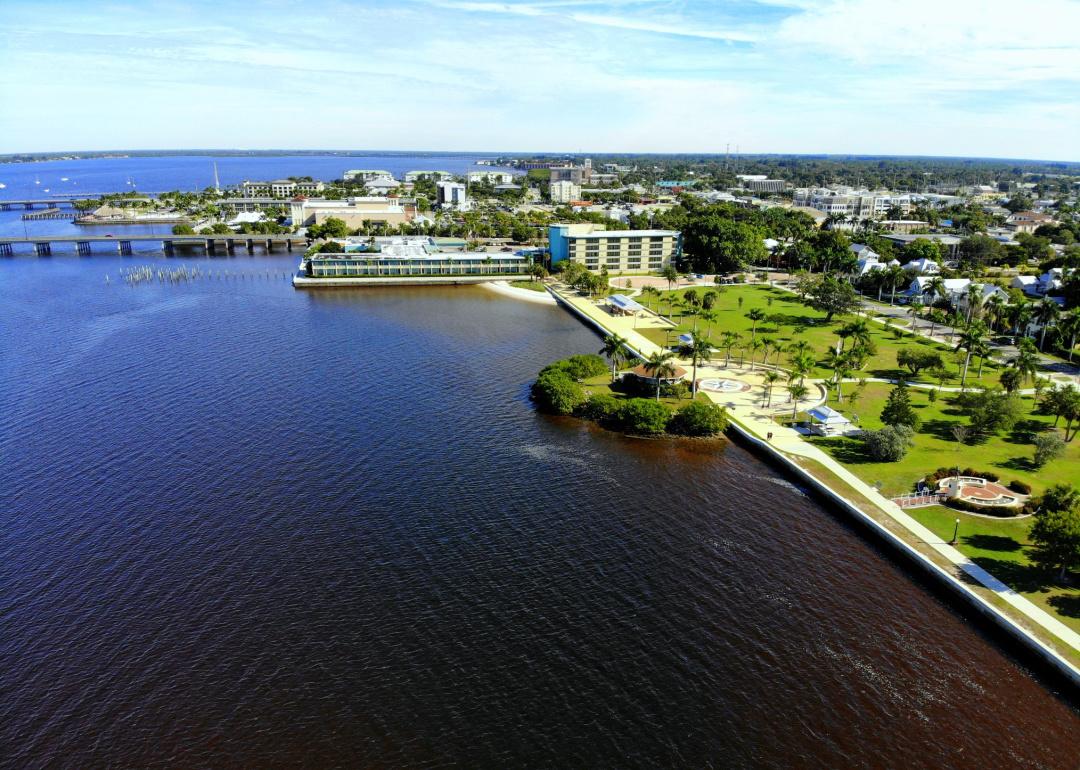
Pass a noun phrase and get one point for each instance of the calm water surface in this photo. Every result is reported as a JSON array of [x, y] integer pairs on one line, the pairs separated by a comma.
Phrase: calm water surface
[[245, 526]]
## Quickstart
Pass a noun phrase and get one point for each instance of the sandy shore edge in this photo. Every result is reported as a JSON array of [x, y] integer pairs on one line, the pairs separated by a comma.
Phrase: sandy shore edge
[[502, 287]]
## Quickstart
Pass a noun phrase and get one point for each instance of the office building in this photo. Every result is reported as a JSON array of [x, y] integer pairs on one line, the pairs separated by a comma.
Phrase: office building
[[354, 212]]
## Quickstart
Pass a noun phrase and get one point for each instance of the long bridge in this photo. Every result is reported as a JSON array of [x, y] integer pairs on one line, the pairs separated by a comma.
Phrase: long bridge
[[48, 203], [211, 244]]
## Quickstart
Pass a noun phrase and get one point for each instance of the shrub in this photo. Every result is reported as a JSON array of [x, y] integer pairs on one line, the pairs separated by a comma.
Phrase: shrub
[[989, 510], [582, 367], [1048, 446], [555, 392], [990, 411], [941, 473], [698, 418], [1020, 487], [643, 416], [889, 444], [678, 389], [600, 407]]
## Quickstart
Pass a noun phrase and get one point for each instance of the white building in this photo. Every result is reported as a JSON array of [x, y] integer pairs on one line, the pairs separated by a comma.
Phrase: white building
[[364, 174], [435, 176], [923, 266], [381, 185], [565, 191], [280, 188], [451, 194], [851, 203], [494, 177]]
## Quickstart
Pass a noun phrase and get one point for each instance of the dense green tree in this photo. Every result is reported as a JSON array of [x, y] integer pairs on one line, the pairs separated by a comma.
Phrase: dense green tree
[[1056, 532], [898, 409], [644, 416], [990, 411], [832, 296], [716, 244]]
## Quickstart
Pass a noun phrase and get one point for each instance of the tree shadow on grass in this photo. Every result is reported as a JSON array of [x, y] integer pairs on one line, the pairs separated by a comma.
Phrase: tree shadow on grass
[[1020, 577], [847, 450], [993, 542], [941, 429], [1024, 432], [1068, 605], [1017, 464], [786, 319]]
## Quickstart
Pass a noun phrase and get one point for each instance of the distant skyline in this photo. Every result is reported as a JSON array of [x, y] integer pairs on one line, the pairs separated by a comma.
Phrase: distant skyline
[[961, 78]]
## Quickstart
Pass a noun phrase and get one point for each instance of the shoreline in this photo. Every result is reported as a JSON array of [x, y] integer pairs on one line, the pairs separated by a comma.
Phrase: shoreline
[[504, 288], [907, 538], [303, 282]]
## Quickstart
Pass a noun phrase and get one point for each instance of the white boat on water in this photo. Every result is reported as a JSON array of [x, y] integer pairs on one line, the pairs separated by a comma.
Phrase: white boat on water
[[2, 185], [63, 179]]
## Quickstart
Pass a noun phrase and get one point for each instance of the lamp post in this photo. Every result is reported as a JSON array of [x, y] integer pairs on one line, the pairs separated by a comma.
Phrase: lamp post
[[955, 532]]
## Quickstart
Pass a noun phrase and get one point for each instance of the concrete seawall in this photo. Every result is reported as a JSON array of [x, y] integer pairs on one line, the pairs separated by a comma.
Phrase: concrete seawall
[[303, 282], [955, 587]]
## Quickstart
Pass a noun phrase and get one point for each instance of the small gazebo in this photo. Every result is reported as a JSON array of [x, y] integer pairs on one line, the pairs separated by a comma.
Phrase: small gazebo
[[641, 372], [825, 421]]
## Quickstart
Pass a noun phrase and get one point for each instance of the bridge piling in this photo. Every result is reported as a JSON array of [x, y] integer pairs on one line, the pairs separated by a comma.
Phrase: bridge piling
[[83, 248], [6, 250], [43, 249], [124, 247]]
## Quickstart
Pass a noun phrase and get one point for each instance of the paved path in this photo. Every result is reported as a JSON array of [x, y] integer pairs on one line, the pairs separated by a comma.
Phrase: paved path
[[746, 408]]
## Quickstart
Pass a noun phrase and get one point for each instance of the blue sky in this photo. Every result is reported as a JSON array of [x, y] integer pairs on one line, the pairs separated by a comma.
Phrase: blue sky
[[939, 77]]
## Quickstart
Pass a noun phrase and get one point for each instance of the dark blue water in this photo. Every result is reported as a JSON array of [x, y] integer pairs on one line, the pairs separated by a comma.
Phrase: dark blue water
[[245, 526]]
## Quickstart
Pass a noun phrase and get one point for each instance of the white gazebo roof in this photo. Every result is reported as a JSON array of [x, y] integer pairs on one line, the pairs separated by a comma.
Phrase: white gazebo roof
[[827, 416]]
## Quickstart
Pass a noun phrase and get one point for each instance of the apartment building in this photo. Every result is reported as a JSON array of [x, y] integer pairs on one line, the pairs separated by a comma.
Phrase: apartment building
[[617, 250], [495, 177], [451, 194], [564, 191], [280, 188]]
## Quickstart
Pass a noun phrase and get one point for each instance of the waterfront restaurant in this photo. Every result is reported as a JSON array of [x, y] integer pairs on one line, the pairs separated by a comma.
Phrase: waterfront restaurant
[[410, 256]]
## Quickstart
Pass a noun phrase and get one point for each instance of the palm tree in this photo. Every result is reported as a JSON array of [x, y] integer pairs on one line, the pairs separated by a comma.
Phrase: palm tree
[[728, 340], [936, 317], [973, 298], [1022, 313], [858, 331], [973, 337], [698, 350], [1069, 326], [935, 287], [755, 315], [841, 367], [709, 316], [660, 365], [615, 349], [995, 306], [796, 393], [670, 274], [916, 306], [1026, 361], [755, 346], [1046, 312], [894, 276], [770, 377]]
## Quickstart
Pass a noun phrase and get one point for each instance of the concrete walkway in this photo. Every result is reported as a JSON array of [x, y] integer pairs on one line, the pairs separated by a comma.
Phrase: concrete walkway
[[746, 409]]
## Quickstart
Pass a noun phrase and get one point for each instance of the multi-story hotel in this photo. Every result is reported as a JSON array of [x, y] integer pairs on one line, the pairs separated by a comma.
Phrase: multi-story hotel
[[617, 250], [858, 204]]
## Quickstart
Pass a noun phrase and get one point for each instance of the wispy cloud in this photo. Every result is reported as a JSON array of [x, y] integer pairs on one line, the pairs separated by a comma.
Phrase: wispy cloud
[[662, 75]]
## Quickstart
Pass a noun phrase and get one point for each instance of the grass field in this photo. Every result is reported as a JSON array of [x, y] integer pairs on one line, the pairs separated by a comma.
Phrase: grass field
[[1008, 455], [789, 320], [530, 285], [1000, 546]]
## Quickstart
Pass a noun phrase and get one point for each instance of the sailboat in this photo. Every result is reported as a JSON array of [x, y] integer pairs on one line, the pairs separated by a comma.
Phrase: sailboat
[[63, 179]]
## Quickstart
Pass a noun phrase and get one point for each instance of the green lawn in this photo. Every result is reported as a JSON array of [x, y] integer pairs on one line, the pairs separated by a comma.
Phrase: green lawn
[[531, 285], [1000, 546], [789, 320], [1008, 455], [602, 384]]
